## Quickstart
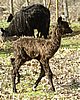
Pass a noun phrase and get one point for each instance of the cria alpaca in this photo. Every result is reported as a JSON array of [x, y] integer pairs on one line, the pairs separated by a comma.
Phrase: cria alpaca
[[26, 49], [24, 22]]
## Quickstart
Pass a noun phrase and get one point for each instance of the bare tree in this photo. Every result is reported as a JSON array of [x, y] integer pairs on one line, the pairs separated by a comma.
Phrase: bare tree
[[11, 7], [44, 2], [18, 4], [57, 10], [74, 2], [27, 2], [49, 4], [65, 7]]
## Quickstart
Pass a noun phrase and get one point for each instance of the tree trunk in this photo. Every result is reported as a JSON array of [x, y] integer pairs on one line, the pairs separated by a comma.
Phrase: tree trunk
[[57, 15], [66, 14], [44, 2], [49, 4], [11, 7], [27, 2], [74, 2]]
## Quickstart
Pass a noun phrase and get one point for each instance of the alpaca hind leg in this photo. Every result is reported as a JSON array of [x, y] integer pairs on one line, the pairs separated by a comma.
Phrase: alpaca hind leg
[[13, 81], [15, 72], [42, 74], [18, 75], [24, 57]]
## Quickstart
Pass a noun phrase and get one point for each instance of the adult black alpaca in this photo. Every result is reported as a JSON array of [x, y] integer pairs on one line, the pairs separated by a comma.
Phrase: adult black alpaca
[[26, 49], [27, 19]]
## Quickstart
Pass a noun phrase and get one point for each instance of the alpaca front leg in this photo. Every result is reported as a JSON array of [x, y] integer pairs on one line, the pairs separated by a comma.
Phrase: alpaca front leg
[[42, 74], [18, 80], [50, 75]]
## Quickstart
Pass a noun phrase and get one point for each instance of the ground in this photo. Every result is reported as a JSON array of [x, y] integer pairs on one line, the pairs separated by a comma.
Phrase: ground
[[65, 66]]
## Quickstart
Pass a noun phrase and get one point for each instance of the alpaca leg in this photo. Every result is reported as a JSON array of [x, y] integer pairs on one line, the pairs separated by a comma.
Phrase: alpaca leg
[[13, 72], [20, 60], [16, 65], [13, 81], [44, 32], [38, 34], [18, 75], [48, 73], [42, 74]]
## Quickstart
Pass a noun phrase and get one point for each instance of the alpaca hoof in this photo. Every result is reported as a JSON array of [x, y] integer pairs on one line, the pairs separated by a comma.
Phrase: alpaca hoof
[[52, 89], [18, 82], [34, 88]]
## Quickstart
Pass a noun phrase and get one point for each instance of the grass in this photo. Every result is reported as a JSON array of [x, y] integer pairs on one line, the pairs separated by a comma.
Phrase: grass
[[75, 26], [70, 43], [3, 24], [34, 96]]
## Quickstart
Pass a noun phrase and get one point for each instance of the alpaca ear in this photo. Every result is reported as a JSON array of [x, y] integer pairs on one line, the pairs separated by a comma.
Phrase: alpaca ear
[[10, 18], [2, 30], [59, 20]]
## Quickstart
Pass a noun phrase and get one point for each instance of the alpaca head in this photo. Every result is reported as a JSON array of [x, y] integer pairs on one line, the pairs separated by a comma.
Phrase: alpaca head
[[64, 26]]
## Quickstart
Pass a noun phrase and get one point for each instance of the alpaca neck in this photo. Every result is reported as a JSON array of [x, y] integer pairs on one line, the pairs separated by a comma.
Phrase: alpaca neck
[[56, 37]]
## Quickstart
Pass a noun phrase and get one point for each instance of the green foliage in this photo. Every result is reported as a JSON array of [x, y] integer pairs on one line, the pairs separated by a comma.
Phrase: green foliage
[[3, 24], [75, 26], [70, 42]]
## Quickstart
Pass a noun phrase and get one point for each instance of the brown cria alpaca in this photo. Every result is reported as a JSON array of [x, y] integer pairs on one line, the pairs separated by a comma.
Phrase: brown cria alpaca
[[26, 49]]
